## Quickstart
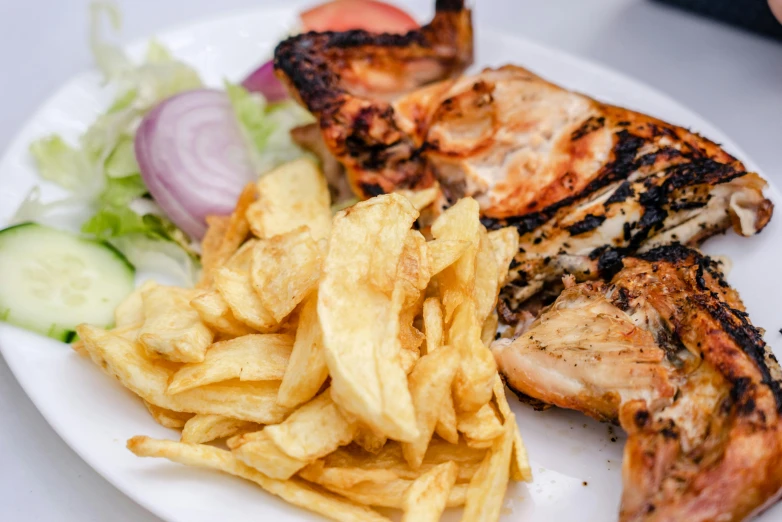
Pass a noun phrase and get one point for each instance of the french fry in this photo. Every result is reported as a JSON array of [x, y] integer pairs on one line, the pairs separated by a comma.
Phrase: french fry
[[505, 243], [520, 469], [296, 492], [384, 493], [211, 248], [433, 324], [443, 253], [206, 428], [172, 329], [235, 288], [480, 428], [427, 496], [345, 477], [314, 430], [306, 371], [258, 451], [489, 329], [350, 465], [360, 316], [130, 364], [429, 383], [446, 421], [241, 260], [369, 441], [225, 235], [408, 359], [290, 196], [168, 418], [460, 222], [474, 381], [421, 198], [285, 269], [487, 285], [256, 357], [486, 491], [131, 310], [217, 315]]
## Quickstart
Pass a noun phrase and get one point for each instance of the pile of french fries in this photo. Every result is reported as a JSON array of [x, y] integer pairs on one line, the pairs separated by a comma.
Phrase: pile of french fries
[[342, 360]]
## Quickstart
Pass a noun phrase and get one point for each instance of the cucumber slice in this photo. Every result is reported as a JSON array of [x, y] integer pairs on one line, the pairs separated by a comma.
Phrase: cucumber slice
[[51, 281]]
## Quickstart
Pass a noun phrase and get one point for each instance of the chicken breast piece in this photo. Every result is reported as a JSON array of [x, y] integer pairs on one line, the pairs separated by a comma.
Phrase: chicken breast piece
[[579, 179], [667, 351]]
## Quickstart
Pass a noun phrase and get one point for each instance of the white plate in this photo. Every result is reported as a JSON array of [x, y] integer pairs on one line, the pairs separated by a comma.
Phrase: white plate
[[576, 461]]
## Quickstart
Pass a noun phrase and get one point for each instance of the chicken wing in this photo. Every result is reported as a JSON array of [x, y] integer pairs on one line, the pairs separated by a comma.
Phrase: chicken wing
[[667, 351]]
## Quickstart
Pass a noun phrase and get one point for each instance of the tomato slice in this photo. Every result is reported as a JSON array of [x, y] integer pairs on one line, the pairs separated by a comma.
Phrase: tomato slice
[[370, 15]]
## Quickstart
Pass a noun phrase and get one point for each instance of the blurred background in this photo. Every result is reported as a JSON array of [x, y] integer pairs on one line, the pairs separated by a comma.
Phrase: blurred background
[[721, 58]]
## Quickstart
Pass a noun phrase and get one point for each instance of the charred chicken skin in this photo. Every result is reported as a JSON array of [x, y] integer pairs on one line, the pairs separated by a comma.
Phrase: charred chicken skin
[[667, 351]]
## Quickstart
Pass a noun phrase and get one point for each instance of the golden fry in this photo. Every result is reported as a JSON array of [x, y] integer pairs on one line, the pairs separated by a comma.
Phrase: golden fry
[[292, 195], [433, 324], [443, 253], [475, 379], [505, 243], [520, 469], [200, 429], [429, 382], [235, 287], [487, 488], [147, 378], [421, 198], [352, 464], [487, 285], [211, 246], [296, 492], [460, 222], [168, 418], [285, 269], [131, 310], [256, 357], [172, 329], [446, 422], [360, 316], [314, 430], [258, 451], [481, 427], [217, 315], [306, 371], [426, 498]]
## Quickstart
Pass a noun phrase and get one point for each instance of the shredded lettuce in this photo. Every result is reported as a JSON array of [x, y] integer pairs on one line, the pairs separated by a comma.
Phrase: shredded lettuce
[[62, 164], [154, 255], [267, 127]]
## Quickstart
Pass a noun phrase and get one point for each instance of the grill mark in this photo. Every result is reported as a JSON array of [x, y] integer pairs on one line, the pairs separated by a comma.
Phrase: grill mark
[[624, 191], [373, 189], [590, 125], [734, 322], [747, 337], [590, 222]]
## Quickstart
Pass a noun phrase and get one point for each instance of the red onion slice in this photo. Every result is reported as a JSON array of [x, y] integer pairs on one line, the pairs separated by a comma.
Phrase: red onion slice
[[193, 158], [263, 80]]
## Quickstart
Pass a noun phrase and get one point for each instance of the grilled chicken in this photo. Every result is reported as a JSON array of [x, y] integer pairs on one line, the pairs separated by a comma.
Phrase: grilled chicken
[[345, 80], [577, 177], [667, 351]]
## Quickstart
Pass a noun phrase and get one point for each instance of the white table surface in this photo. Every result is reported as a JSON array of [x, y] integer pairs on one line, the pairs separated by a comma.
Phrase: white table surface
[[732, 78]]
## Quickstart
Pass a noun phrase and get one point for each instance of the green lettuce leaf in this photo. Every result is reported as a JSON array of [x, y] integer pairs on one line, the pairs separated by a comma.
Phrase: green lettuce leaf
[[62, 164], [122, 191], [267, 127]]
